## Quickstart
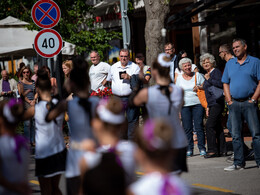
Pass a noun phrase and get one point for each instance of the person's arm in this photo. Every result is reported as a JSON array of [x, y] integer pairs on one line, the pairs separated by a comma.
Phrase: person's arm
[[175, 77], [104, 82], [199, 82], [256, 94], [109, 75], [29, 113], [227, 93], [55, 112], [215, 80], [108, 67], [34, 99], [129, 192], [20, 88], [83, 168], [141, 97], [196, 69], [134, 70]]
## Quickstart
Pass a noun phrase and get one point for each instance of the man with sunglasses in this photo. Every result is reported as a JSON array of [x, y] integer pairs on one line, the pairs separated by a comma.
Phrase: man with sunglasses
[[8, 87], [120, 75], [225, 52]]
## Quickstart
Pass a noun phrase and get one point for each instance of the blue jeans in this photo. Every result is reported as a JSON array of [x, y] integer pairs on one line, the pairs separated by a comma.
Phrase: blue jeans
[[29, 130], [229, 127], [132, 115], [248, 111], [190, 114]]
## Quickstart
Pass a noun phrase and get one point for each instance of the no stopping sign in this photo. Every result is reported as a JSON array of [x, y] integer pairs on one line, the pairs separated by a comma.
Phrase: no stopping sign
[[45, 13], [48, 43]]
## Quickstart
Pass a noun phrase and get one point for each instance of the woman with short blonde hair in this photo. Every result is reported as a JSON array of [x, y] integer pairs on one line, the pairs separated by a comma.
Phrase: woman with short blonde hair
[[214, 131]]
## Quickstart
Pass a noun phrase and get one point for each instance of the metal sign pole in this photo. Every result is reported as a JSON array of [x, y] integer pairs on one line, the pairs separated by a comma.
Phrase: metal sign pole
[[125, 24]]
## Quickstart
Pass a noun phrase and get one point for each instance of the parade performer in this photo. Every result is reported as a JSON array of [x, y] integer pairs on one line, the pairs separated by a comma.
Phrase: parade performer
[[50, 150], [164, 100], [113, 156], [154, 155], [80, 110], [14, 150]]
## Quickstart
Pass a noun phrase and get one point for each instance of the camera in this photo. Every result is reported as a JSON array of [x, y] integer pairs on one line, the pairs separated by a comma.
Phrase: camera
[[120, 74]]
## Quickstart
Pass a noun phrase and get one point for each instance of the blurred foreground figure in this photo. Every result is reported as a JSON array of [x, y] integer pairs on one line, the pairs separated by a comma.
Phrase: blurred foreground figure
[[154, 155], [108, 168], [164, 100], [14, 150]]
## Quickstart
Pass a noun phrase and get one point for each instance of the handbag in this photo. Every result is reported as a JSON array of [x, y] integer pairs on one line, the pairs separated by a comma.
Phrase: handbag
[[217, 92], [201, 95]]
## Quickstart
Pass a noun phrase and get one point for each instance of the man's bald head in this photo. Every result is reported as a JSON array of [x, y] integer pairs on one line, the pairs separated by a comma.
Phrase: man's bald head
[[4, 74]]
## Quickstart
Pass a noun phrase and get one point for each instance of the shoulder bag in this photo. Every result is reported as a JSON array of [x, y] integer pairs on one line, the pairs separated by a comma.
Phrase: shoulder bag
[[201, 95]]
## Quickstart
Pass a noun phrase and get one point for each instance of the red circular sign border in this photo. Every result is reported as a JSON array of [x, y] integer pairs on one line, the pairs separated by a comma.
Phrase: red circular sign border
[[37, 48], [34, 17]]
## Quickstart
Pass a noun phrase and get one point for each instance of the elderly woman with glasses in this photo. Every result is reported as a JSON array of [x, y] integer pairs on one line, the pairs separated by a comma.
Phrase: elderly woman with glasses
[[192, 112], [26, 89], [215, 99]]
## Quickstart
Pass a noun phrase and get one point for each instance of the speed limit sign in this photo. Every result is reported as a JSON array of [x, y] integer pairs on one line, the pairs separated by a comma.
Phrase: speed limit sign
[[48, 43]]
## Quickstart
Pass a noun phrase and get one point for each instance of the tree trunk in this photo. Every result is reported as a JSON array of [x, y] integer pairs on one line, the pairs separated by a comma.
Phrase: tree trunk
[[156, 11]]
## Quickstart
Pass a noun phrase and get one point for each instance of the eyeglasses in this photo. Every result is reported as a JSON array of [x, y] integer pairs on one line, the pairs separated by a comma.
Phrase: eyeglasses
[[26, 72], [123, 56]]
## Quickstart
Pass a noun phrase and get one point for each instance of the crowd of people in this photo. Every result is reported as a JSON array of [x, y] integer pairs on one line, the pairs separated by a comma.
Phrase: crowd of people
[[107, 140]]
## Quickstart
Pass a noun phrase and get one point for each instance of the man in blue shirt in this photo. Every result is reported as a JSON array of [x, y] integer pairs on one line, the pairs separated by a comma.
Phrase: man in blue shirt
[[169, 49], [241, 82]]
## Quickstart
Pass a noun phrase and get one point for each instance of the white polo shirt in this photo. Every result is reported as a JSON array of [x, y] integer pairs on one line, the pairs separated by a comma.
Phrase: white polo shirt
[[97, 73], [121, 87]]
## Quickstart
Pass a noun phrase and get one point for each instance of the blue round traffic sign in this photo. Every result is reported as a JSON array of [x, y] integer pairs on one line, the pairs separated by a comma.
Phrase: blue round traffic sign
[[45, 13]]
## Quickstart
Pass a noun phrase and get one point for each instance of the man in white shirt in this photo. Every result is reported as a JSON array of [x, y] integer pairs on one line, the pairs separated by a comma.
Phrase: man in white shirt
[[120, 75], [98, 72]]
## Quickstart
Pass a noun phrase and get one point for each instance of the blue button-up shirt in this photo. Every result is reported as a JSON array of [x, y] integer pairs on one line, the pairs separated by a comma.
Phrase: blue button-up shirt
[[242, 79]]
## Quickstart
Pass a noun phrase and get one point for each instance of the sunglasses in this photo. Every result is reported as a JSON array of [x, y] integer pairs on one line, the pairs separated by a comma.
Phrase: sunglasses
[[221, 52], [26, 72]]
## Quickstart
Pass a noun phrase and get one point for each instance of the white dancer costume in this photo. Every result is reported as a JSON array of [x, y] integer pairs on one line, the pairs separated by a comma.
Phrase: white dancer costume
[[158, 105], [49, 141], [79, 122], [13, 165], [157, 184], [125, 151]]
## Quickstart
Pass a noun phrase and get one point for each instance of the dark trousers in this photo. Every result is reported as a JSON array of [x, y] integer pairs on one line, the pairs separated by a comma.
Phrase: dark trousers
[[73, 185], [132, 115], [214, 131]]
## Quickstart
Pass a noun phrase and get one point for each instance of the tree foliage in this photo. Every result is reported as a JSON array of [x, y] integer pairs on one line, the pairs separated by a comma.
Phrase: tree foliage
[[75, 26]]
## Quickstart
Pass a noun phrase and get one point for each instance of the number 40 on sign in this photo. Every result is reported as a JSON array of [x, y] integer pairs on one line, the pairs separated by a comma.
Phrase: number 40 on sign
[[48, 43]]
